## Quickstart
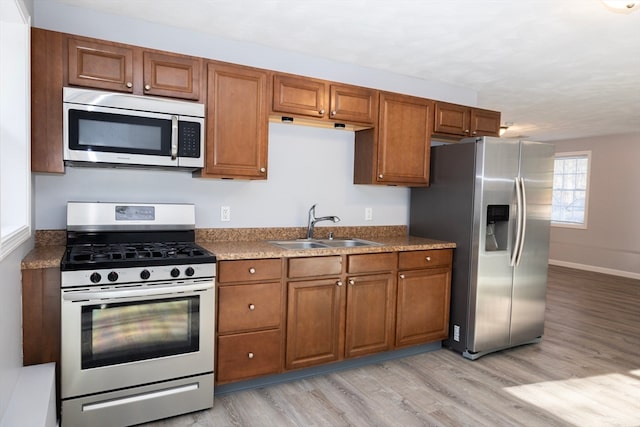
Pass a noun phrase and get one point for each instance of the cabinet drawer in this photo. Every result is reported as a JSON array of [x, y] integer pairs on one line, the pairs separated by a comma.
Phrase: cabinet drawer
[[248, 355], [246, 307], [425, 259], [249, 270], [365, 263], [315, 266]]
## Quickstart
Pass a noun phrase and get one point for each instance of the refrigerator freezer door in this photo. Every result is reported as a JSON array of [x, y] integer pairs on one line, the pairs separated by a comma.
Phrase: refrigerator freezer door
[[490, 288], [530, 275]]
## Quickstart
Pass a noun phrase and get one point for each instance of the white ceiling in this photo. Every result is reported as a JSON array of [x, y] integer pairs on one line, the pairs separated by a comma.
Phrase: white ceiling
[[556, 69]]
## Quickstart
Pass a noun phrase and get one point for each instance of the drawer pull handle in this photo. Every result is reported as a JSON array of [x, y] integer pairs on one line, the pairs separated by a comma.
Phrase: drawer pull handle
[[250, 355], [252, 270], [428, 258], [402, 276], [252, 307]]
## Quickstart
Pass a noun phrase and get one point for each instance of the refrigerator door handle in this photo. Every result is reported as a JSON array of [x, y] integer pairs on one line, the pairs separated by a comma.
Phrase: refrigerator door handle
[[523, 197], [517, 243]]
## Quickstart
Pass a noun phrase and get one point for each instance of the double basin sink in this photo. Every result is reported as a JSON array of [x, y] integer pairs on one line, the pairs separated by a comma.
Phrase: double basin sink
[[322, 243]]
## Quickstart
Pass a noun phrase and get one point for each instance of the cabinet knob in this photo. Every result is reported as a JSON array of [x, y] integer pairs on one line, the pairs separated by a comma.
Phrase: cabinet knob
[[147, 87], [263, 170], [380, 176], [129, 85], [250, 355], [252, 307], [466, 131], [428, 258], [402, 276], [252, 270], [321, 112], [333, 113], [339, 283], [474, 132], [352, 282]]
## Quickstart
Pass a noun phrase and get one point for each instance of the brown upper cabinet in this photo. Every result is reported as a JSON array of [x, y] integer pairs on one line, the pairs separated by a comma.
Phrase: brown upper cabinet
[[337, 103], [459, 120], [237, 122], [125, 68], [397, 150]]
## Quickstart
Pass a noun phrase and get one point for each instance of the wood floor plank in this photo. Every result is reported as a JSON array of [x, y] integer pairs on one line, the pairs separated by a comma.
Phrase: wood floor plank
[[585, 372]]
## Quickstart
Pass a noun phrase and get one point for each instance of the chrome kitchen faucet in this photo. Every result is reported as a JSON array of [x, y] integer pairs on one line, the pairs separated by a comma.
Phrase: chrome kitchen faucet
[[313, 220]]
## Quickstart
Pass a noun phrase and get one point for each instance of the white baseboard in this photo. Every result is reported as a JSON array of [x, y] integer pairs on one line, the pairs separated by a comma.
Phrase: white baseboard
[[595, 269]]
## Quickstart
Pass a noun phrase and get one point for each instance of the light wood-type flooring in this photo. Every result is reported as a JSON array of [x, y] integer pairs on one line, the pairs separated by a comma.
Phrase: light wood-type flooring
[[585, 372]]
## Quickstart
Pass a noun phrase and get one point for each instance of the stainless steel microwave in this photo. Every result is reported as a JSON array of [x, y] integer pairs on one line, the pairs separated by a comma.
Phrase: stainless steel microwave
[[111, 129]]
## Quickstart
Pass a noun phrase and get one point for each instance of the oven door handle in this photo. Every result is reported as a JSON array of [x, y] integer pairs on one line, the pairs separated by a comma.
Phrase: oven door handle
[[133, 293]]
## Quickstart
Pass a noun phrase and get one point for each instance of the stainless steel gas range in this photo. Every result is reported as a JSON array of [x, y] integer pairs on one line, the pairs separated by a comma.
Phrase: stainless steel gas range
[[137, 314]]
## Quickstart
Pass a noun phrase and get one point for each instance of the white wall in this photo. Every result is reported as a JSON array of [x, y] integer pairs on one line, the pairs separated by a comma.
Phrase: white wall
[[611, 242], [11, 304], [306, 165]]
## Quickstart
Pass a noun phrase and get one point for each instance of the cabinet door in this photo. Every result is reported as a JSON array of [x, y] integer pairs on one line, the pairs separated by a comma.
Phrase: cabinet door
[[370, 314], [404, 140], [485, 122], [423, 306], [176, 76], [314, 310], [353, 104], [299, 95], [100, 65], [237, 120], [243, 356], [245, 307], [452, 119], [46, 101]]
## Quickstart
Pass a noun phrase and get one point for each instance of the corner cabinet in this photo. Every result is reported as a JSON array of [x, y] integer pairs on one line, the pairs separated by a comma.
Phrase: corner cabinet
[[424, 293], [454, 120], [397, 151], [237, 122]]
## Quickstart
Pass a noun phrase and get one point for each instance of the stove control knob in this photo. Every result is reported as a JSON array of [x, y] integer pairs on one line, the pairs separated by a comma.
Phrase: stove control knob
[[144, 274], [95, 277], [189, 271], [113, 276], [175, 272]]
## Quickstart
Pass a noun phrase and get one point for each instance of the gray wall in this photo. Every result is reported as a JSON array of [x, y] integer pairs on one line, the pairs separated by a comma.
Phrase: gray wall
[[611, 242]]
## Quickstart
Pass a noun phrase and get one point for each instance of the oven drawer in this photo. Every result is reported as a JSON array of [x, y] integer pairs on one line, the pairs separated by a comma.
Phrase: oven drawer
[[425, 259], [246, 307], [249, 270], [243, 356]]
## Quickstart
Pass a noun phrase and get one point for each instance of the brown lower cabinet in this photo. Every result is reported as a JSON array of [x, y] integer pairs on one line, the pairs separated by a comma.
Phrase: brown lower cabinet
[[250, 313]]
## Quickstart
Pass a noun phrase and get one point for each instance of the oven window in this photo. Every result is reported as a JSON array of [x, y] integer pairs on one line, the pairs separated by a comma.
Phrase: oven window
[[98, 131], [126, 332]]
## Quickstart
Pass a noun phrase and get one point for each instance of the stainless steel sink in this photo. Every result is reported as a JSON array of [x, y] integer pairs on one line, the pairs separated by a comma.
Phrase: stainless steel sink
[[322, 243]]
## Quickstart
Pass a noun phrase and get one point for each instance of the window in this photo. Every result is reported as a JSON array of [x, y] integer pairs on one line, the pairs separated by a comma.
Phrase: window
[[571, 189], [15, 170]]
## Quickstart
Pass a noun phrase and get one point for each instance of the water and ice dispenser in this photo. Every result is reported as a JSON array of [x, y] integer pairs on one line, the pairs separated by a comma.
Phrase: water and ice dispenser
[[496, 237]]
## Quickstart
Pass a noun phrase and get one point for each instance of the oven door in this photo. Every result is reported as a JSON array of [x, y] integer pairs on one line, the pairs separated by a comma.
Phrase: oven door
[[124, 336]]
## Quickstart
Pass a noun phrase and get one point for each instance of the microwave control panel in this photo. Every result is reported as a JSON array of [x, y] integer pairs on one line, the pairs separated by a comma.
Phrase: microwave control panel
[[189, 139]]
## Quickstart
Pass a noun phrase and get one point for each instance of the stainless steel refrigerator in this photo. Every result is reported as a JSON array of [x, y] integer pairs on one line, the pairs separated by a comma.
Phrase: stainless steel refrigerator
[[492, 197]]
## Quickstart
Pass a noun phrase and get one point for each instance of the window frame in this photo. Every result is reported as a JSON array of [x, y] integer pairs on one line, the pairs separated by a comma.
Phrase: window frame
[[575, 154], [18, 228]]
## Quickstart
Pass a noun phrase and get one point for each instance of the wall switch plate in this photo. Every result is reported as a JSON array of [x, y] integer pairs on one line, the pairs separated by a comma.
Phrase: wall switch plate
[[368, 214], [225, 213]]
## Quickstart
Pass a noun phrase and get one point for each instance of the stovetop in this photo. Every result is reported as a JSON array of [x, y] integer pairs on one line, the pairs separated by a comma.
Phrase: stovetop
[[90, 256]]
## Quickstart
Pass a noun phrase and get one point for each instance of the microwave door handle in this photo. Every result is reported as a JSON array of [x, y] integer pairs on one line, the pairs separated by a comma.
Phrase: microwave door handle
[[174, 137]]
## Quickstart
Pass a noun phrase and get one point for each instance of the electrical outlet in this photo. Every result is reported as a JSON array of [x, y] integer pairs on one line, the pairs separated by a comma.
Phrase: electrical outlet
[[225, 213], [368, 214]]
